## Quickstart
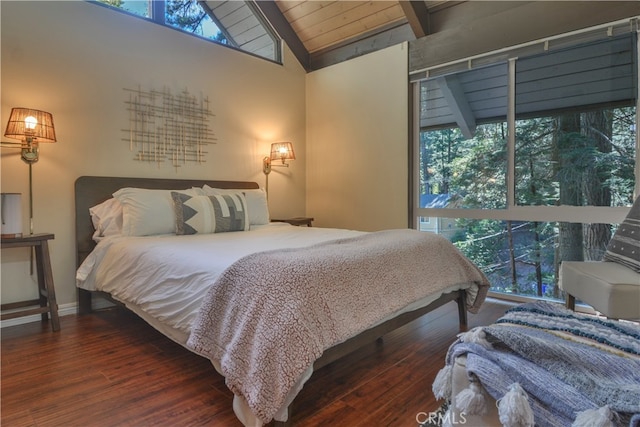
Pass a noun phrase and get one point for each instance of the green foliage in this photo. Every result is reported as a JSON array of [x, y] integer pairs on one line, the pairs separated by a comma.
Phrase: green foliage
[[479, 239], [547, 157], [114, 3], [480, 175], [185, 14], [473, 169], [590, 156], [189, 16]]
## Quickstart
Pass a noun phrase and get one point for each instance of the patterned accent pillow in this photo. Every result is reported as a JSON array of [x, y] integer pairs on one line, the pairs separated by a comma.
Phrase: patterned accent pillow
[[256, 202], [210, 214], [624, 246]]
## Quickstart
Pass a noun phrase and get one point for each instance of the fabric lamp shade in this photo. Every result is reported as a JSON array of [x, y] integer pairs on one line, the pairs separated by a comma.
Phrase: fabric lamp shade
[[29, 123], [282, 151]]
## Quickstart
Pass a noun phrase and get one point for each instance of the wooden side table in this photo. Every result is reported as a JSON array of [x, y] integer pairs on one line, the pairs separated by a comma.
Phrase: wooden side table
[[47, 300], [302, 220]]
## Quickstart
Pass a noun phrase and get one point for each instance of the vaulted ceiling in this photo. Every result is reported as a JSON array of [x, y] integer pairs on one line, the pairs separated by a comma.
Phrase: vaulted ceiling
[[322, 33]]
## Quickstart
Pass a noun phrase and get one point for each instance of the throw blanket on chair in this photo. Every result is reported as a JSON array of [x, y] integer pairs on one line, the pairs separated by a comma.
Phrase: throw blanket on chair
[[270, 315], [551, 366]]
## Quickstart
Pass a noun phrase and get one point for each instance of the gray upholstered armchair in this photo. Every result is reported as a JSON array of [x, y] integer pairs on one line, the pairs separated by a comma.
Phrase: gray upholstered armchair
[[610, 286]]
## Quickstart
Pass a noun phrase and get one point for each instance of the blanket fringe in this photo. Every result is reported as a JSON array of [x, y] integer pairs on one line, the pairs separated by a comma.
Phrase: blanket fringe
[[477, 336], [472, 400], [447, 419], [514, 409], [601, 417], [442, 384]]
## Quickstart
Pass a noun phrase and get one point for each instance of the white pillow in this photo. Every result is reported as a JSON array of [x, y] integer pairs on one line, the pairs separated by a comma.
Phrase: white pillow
[[148, 212], [107, 219], [257, 204]]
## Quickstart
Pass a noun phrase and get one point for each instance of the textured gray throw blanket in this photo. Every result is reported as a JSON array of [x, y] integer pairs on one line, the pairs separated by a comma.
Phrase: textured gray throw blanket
[[270, 315], [566, 362]]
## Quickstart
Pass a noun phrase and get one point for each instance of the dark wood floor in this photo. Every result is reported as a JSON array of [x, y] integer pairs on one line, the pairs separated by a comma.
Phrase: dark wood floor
[[111, 369]]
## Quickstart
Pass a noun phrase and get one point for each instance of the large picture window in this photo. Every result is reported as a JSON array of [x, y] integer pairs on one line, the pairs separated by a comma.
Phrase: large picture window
[[529, 160]]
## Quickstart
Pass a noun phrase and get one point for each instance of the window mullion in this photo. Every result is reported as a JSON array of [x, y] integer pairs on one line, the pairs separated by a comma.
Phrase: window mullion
[[637, 169], [511, 134], [158, 11], [415, 147]]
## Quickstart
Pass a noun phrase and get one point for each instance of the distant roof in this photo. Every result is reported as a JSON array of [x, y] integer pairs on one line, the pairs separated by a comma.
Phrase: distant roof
[[434, 200]]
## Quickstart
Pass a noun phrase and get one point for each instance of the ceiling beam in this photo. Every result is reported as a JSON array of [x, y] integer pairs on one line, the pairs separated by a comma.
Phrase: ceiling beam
[[279, 23], [378, 39], [453, 93], [417, 15]]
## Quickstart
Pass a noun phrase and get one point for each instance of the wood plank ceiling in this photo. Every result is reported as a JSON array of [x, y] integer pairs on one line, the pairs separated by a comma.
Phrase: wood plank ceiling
[[322, 33], [322, 24]]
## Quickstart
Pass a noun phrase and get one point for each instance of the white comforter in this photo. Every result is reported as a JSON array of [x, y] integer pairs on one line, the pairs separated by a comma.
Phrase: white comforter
[[167, 283]]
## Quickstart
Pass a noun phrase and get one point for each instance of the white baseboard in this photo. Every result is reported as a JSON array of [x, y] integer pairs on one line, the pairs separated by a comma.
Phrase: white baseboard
[[63, 310]]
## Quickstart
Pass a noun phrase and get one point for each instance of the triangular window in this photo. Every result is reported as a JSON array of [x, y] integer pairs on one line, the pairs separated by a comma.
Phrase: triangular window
[[233, 23]]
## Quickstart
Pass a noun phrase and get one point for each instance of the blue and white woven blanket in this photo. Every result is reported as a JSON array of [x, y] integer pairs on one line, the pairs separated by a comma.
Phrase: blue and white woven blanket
[[567, 363]]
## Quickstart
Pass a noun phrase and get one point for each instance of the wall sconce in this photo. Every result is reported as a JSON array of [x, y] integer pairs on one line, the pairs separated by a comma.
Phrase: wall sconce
[[282, 151], [31, 127]]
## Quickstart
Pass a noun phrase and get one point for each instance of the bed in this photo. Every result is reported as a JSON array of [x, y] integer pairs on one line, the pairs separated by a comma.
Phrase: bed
[[542, 364], [267, 303]]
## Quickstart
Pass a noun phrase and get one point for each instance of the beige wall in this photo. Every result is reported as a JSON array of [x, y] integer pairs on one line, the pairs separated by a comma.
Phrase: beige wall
[[357, 142], [73, 59], [349, 122]]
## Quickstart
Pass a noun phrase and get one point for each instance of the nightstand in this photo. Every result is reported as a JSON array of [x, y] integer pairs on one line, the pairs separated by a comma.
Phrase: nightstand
[[301, 220], [47, 300]]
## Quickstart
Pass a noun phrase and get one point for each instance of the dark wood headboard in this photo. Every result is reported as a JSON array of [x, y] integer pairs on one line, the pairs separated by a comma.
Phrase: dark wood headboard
[[92, 190]]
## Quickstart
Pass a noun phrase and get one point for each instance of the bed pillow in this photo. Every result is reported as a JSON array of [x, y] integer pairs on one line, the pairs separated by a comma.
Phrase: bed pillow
[[624, 246], [210, 214], [257, 204], [147, 212], [107, 219]]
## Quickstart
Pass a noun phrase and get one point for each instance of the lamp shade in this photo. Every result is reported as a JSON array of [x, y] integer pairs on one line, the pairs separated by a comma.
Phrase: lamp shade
[[26, 122], [283, 151]]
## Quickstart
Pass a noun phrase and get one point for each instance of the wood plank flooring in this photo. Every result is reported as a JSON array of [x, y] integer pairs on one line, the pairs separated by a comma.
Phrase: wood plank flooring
[[110, 368]]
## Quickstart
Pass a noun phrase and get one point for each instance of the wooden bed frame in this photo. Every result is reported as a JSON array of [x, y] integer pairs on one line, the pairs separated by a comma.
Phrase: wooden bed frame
[[92, 190]]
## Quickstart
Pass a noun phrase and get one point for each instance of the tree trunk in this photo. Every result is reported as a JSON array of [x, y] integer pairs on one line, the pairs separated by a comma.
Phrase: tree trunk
[[537, 249], [568, 174], [512, 259], [537, 260], [598, 129]]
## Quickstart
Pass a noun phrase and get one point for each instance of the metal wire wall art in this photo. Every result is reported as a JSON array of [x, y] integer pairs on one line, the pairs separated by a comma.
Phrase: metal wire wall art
[[167, 128]]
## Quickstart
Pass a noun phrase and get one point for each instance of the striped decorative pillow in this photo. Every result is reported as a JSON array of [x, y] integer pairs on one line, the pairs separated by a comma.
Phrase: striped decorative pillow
[[210, 214], [624, 246]]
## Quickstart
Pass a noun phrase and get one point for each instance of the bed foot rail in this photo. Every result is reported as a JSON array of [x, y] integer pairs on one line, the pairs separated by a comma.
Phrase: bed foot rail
[[462, 309], [289, 422], [377, 333], [84, 301]]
